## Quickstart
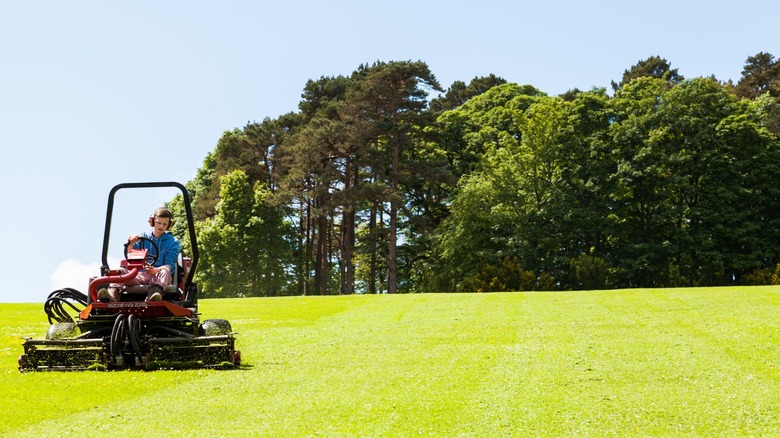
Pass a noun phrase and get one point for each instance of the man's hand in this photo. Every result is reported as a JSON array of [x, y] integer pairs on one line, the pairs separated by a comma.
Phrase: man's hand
[[152, 270], [132, 239]]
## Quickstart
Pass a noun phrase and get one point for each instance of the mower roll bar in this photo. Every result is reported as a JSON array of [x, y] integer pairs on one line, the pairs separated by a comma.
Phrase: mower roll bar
[[189, 290]]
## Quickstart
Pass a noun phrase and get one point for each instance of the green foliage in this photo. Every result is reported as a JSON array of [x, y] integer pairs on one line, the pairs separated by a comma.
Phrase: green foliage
[[763, 277], [761, 74], [761, 77], [468, 131], [669, 182], [508, 275], [652, 67], [459, 93], [245, 248], [589, 272], [664, 184], [759, 277], [546, 282]]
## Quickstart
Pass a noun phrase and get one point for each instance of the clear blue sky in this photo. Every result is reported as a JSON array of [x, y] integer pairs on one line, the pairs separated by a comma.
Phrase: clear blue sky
[[96, 93]]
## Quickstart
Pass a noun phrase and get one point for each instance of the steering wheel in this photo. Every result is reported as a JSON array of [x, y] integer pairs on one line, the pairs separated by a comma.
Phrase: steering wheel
[[150, 258]]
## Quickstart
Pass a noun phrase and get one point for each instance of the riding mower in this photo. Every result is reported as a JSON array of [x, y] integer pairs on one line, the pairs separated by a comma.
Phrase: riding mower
[[132, 332]]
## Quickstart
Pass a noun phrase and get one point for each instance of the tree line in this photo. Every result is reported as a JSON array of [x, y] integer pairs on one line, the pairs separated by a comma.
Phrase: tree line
[[375, 186]]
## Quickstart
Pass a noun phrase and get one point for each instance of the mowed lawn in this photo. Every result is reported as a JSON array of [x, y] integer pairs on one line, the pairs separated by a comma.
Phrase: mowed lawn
[[666, 362]]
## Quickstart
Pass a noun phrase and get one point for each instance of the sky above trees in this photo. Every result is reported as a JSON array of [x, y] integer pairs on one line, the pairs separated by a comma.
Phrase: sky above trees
[[96, 94]]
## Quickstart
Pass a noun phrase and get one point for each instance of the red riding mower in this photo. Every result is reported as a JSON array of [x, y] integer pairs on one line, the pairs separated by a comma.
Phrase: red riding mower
[[132, 332]]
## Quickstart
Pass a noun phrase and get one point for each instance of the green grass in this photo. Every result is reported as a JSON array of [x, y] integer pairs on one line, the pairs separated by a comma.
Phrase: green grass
[[667, 362]]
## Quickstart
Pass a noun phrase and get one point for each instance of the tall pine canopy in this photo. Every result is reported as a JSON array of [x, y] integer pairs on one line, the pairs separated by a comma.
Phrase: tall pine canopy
[[383, 181]]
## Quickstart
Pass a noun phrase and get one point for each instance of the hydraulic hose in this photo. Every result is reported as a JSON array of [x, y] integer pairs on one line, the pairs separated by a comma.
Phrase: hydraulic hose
[[108, 279], [133, 329], [57, 301], [117, 334]]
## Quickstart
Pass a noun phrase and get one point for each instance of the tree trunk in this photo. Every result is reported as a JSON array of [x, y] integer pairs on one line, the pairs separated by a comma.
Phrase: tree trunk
[[372, 238], [321, 264], [306, 248], [348, 232], [348, 244], [391, 239]]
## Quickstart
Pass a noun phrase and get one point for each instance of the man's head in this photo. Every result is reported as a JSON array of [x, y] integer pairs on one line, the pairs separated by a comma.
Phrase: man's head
[[161, 220]]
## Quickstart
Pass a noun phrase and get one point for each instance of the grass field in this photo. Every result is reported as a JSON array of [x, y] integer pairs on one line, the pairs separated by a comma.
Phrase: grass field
[[666, 362]]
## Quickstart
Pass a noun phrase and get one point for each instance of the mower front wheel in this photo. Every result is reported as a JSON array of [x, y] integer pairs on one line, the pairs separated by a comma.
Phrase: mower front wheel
[[215, 327], [62, 330]]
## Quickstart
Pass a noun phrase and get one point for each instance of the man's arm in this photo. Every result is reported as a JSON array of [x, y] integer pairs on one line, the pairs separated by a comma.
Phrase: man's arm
[[171, 251]]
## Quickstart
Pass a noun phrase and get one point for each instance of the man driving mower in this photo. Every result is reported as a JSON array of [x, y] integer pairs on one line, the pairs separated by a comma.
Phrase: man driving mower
[[163, 250]]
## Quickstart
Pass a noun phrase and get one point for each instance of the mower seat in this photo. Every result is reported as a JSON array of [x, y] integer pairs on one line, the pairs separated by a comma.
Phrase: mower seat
[[142, 288], [138, 292]]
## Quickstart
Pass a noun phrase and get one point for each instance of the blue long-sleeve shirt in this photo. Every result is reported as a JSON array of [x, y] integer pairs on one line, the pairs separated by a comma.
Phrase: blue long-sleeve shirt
[[167, 244]]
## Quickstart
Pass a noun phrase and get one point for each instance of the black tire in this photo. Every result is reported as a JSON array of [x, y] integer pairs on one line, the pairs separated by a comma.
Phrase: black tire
[[62, 330], [215, 327]]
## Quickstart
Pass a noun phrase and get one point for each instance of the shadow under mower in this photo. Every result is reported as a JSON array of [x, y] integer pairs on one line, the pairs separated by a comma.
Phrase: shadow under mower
[[132, 333]]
